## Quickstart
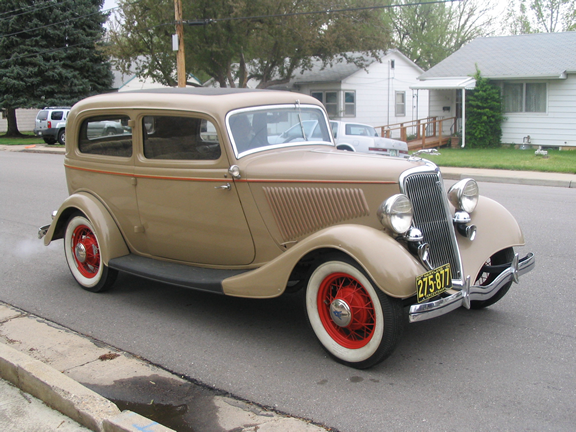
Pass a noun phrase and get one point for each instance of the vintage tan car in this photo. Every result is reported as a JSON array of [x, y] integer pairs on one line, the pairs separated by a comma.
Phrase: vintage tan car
[[199, 190]]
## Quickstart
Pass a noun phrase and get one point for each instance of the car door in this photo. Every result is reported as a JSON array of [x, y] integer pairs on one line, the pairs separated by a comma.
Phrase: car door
[[188, 204]]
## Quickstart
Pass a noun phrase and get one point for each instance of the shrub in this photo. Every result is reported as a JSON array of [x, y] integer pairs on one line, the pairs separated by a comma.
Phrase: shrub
[[484, 114]]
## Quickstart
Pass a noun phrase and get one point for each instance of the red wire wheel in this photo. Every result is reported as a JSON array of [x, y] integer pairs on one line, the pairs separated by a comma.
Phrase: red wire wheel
[[346, 310], [86, 251], [84, 256]]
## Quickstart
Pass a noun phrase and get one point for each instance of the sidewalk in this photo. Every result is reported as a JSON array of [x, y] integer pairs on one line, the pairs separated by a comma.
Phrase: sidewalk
[[534, 178], [63, 381]]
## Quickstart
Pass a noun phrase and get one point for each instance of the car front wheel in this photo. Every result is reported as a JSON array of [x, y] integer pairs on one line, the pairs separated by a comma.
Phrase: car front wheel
[[354, 320], [83, 256]]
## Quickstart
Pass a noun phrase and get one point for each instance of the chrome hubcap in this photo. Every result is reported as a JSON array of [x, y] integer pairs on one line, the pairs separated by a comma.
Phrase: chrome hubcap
[[80, 252], [340, 313]]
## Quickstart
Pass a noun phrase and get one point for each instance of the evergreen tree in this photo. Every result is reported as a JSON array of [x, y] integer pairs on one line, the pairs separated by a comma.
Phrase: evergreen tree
[[484, 114], [49, 54]]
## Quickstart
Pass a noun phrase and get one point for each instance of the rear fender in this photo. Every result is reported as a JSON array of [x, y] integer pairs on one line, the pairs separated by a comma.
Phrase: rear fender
[[112, 244], [386, 261]]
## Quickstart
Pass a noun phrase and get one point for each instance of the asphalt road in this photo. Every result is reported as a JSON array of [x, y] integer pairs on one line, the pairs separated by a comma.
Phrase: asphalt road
[[509, 367]]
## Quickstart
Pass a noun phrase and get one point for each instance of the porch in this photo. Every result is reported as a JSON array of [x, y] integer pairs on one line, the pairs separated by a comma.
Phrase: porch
[[423, 133]]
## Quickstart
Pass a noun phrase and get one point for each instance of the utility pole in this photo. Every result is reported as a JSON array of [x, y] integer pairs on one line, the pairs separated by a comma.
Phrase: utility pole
[[181, 58]]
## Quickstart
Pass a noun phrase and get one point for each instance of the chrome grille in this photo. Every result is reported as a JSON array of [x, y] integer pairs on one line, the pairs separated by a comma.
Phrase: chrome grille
[[432, 216]]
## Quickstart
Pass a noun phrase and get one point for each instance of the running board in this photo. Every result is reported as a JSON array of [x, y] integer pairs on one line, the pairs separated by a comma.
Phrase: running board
[[198, 278]]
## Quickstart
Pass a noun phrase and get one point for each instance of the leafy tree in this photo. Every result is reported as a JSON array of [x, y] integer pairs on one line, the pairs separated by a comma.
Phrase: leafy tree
[[48, 54], [540, 16], [428, 33], [262, 39], [484, 114]]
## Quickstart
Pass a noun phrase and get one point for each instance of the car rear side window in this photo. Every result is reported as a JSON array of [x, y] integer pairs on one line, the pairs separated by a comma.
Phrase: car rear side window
[[57, 115], [180, 138], [106, 135]]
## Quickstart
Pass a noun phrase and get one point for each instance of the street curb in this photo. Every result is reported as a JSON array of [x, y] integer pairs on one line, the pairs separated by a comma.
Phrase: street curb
[[511, 177], [68, 396]]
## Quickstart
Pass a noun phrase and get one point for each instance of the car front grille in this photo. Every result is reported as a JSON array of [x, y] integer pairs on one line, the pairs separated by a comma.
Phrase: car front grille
[[432, 217]]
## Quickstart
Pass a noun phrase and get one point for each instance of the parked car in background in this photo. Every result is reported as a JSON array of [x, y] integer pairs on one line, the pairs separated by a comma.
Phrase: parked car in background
[[51, 124], [196, 193], [105, 127], [364, 138]]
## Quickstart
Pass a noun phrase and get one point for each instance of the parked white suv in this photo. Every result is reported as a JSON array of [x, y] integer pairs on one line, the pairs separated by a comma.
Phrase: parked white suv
[[51, 124]]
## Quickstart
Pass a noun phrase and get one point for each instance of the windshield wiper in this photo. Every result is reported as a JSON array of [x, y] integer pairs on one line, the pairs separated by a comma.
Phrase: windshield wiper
[[300, 120]]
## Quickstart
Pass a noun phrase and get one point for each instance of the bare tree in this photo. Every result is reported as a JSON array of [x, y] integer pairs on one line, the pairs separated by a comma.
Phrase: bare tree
[[540, 16], [428, 33]]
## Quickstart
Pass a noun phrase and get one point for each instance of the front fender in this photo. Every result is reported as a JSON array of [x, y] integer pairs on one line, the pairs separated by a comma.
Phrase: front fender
[[112, 244], [386, 261], [497, 229]]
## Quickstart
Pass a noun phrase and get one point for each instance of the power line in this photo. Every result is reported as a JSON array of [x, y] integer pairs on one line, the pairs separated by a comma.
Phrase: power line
[[104, 11], [23, 8], [329, 11], [215, 20]]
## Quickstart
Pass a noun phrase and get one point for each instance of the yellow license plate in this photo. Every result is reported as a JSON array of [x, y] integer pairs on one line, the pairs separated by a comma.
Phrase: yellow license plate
[[433, 283]]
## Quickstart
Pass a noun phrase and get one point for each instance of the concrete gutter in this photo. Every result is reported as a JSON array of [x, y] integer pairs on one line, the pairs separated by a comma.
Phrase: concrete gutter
[[69, 397], [57, 366]]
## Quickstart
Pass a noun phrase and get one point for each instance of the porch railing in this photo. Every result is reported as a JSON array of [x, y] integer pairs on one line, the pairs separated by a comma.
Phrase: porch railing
[[420, 129]]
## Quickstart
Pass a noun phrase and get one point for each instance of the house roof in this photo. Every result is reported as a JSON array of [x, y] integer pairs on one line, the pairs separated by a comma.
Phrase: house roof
[[539, 55], [338, 71]]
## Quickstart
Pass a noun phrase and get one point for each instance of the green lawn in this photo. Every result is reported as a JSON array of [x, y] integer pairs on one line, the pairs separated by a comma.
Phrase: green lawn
[[28, 140], [507, 158]]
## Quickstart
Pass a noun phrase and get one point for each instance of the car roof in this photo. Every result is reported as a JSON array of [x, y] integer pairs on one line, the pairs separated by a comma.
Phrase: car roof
[[213, 101]]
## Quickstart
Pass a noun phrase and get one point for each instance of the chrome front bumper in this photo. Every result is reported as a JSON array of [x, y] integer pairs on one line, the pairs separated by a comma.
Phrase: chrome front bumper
[[467, 292]]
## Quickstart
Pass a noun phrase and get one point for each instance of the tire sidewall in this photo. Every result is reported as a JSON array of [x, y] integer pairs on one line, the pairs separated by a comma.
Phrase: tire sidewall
[[62, 137], [87, 283], [345, 354]]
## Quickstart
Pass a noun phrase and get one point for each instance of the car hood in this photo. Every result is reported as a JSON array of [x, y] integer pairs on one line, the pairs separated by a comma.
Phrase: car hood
[[323, 165]]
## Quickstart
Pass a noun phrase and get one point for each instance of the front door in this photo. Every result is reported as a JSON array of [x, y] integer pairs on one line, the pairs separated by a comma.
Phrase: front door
[[188, 204]]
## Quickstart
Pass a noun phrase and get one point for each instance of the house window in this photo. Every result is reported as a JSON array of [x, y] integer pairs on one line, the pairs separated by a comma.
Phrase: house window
[[330, 101], [349, 104], [400, 104], [524, 97]]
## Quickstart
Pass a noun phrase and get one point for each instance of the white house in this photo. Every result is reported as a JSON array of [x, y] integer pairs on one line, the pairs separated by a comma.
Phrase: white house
[[537, 76], [378, 94]]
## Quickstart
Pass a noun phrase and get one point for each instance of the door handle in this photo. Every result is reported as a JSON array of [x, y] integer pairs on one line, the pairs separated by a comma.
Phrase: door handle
[[224, 187]]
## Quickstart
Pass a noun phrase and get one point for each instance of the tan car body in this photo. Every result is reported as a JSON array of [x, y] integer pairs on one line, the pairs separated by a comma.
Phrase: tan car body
[[251, 238]]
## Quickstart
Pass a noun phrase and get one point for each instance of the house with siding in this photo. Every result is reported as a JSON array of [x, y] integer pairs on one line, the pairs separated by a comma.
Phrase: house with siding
[[378, 94], [536, 74]]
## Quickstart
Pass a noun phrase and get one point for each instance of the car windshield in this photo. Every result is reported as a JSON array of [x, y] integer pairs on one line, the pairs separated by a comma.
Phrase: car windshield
[[277, 126]]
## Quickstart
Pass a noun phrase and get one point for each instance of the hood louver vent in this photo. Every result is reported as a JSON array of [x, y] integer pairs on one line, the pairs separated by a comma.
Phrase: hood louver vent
[[299, 211]]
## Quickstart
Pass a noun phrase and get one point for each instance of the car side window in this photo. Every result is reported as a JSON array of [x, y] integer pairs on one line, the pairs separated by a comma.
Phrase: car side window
[[57, 115], [180, 138], [106, 135]]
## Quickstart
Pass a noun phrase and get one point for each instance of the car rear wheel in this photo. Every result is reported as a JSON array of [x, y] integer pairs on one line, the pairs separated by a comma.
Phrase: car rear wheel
[[82, 251], [356, 323], [62, 137], [505, 256]]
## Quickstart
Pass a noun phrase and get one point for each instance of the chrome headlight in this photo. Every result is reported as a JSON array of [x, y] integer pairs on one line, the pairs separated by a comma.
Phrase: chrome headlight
[[396, 213], [464, 195]]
